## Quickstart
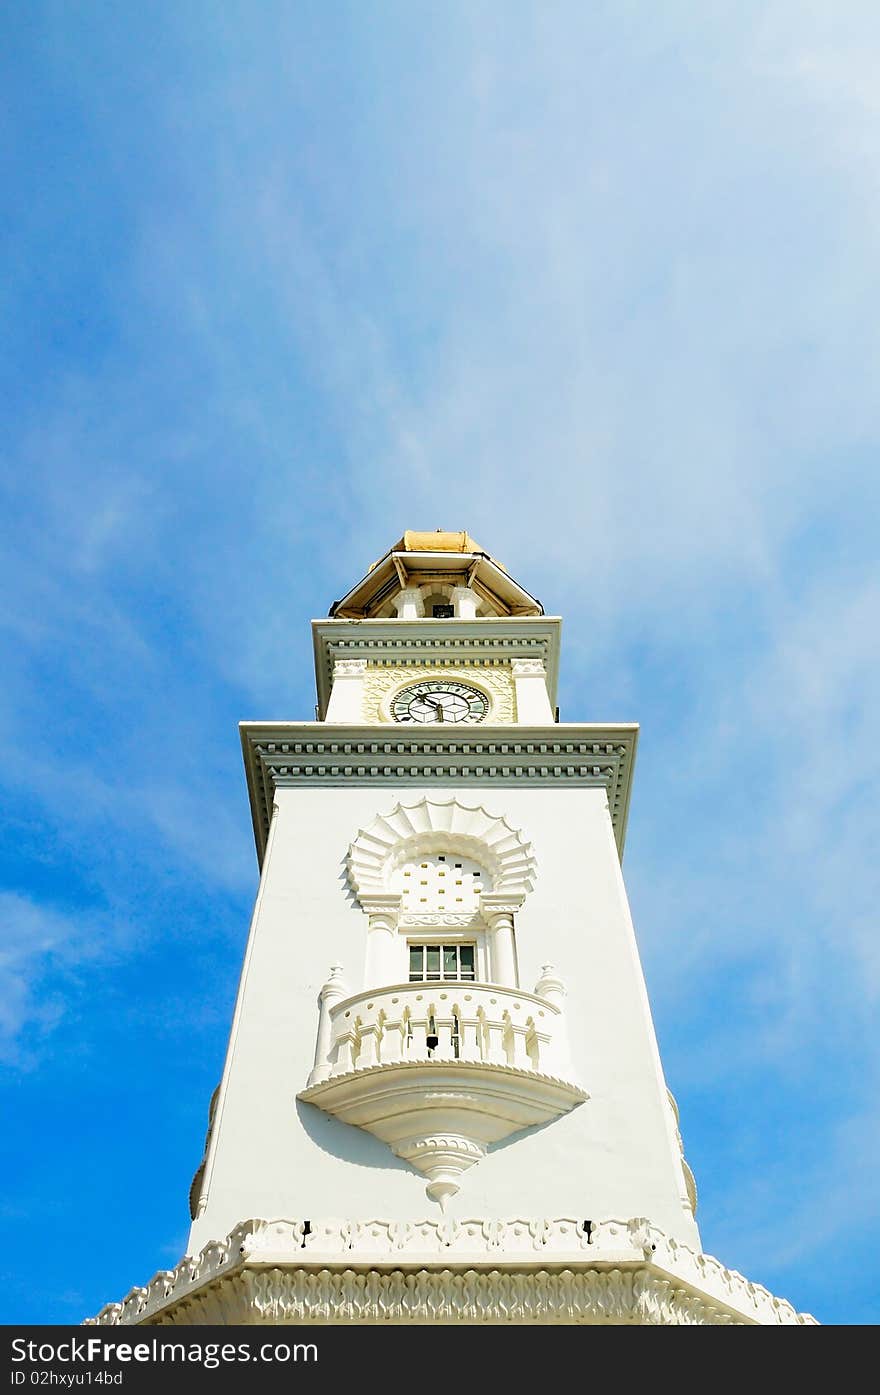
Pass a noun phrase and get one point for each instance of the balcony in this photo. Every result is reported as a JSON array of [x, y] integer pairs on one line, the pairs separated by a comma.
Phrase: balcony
[[439, 1071]]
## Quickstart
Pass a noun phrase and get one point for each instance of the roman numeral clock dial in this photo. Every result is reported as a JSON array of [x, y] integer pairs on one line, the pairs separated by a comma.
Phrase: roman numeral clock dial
[[440, 700]]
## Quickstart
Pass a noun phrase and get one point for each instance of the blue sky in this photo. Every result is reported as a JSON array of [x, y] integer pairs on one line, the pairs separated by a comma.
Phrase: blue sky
[[597, 282]]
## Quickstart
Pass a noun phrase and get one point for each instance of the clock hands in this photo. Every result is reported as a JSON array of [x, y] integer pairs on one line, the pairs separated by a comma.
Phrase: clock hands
[[457, 703]]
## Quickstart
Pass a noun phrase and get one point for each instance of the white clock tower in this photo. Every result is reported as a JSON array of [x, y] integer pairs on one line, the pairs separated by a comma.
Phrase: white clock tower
[[442, 1099]]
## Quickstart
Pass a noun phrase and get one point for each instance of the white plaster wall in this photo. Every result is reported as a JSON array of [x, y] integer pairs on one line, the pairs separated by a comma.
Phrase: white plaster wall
[[273, 1156]]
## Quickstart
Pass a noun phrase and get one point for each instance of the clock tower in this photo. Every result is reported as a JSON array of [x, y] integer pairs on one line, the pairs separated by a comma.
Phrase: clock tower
[[442, 1099]]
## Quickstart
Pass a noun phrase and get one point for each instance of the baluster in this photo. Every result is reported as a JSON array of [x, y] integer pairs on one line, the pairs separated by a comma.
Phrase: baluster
[[507, 1038], [470, 1045], [346, 1051], [418, 1046], [443, 1050], [532, 1045], [371, 1033], [544, 1055], [392, 1047], [519, 1057], [496, 1031]]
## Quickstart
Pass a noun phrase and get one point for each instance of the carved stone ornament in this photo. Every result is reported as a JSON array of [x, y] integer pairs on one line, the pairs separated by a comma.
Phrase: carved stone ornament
[[480, 1270], [440, 826], [527, 668], [349, 668], [440, 1116]]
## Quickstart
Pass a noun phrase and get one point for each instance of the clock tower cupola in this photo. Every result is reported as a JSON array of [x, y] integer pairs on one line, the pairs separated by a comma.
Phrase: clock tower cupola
[[453, 639]]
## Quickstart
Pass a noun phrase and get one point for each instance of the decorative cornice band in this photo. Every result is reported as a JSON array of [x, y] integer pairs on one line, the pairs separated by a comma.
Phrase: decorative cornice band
[[479, 1069], [610, 1298], [490, 639], [479, 1270], [279, 754]]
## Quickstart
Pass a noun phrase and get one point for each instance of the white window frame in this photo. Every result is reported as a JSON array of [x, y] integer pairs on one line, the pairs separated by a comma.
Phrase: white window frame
[[442, 942]]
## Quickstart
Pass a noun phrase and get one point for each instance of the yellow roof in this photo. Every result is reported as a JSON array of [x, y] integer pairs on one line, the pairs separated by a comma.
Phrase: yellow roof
[[439, 541]]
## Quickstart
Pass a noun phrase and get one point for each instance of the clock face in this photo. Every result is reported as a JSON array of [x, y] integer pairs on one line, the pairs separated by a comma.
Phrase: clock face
[[440, 700]]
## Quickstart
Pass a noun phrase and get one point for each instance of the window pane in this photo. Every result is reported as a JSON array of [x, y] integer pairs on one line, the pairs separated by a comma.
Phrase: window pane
[[434, 962], [415, 963]]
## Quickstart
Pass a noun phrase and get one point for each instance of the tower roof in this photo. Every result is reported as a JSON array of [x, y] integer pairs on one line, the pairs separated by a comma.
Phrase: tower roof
[[435, 559], [438, 541]]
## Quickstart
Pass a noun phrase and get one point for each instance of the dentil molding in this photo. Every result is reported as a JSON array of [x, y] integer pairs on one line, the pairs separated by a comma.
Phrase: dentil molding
[[287, 754]]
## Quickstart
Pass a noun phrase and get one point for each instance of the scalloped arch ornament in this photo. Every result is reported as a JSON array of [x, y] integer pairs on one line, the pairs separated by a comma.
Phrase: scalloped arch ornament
[[433, 825]]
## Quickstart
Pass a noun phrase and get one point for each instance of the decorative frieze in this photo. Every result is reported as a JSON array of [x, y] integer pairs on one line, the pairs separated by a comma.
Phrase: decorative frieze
[[610, 1298], [446, 919], [474, 1270]]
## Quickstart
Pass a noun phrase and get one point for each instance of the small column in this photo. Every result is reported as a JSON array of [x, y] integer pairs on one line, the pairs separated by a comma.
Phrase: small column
[[465, 601], [334, 991], [382, 965], [409, 604], [532, 699], [347, 694], [499, 910]]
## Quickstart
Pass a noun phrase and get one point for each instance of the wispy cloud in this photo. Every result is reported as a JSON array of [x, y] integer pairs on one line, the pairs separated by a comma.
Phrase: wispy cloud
[[42, 950]]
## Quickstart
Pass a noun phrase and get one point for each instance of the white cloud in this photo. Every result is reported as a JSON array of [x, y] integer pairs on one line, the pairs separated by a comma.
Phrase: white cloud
[[38, 947]]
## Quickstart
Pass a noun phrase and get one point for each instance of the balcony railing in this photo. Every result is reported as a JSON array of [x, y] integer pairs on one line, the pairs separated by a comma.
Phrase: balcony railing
[[444, 1022]]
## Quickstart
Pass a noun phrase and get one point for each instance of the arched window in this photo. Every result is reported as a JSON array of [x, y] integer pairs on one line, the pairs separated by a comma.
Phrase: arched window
[[440, 881]]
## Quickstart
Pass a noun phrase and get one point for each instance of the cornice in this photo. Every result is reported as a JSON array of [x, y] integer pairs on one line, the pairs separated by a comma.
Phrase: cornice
[[429, 643], [540, 1270], [288, 754]]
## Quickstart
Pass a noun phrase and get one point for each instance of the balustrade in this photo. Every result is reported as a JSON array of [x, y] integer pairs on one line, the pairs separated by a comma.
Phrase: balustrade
[[456, 1022]]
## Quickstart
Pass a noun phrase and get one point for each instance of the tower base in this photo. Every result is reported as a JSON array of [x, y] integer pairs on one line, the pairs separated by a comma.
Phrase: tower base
[[542, 1271]]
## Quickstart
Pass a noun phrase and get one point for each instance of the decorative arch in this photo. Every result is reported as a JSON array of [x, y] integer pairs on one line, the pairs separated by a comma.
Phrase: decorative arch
[[433, 825]]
